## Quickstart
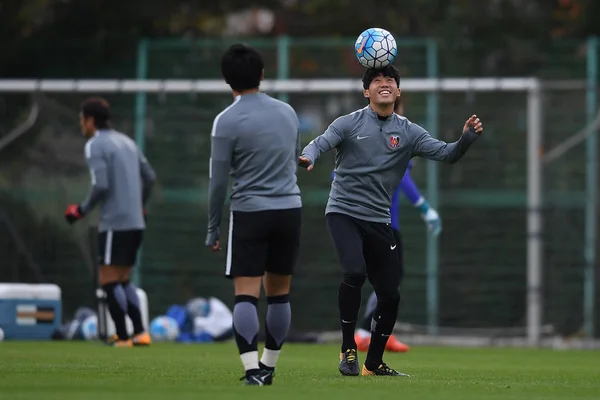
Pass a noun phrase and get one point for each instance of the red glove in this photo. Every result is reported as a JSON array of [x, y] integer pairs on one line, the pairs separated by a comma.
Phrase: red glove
[[73, 213]]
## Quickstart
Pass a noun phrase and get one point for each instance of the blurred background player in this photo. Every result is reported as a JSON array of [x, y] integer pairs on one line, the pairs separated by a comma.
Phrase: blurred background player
[[121, 179], [257, 139], [434, 224]]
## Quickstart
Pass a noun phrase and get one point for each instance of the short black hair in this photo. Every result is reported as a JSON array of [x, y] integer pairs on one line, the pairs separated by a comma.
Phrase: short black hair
[[389, 71], [99, 109], [242, 67]]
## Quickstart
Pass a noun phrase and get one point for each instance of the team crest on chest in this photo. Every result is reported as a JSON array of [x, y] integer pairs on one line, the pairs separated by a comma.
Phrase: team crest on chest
[[394, 142]]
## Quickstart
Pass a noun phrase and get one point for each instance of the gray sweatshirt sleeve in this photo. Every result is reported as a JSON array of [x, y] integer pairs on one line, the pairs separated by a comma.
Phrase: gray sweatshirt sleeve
[[222, 145], [94, 157], [331, 138], [424, 145], [148, 176]]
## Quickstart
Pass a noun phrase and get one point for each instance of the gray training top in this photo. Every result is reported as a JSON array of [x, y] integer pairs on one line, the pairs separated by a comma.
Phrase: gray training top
[[371, 157], [121, 181], [256, 141]]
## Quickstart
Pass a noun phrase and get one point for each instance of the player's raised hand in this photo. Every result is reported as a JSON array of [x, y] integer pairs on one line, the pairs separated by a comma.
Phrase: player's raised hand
[[212, 240], [305, 162], [473, 123]]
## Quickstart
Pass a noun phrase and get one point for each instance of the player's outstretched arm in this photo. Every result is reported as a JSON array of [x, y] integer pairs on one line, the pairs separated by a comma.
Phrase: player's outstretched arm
[[148, 177], [428, 147], [332, 137], [220, 165]]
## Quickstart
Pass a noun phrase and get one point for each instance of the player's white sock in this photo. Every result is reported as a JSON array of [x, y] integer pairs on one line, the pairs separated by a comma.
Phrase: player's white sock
[[363, 333], [250, 360], [269, 357]]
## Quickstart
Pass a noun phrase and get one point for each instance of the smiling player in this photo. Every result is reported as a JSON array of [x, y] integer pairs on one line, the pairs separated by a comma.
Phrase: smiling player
[[373, 148], [434, 224]]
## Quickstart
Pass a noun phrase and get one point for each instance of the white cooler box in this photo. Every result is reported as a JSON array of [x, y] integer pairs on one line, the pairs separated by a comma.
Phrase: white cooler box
[[110, 325], [30, 311]]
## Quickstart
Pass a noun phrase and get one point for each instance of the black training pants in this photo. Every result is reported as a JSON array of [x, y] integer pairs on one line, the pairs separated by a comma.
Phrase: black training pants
[[367, 249]]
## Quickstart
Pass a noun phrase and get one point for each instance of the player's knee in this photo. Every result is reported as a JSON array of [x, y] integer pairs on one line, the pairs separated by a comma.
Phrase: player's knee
[[387, 294], [389, 299], [125, 274], [277, 284], [354, 279], [246, 285], [108, 274]]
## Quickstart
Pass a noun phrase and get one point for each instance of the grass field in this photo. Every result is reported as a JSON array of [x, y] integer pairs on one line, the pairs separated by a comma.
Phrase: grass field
[[54, 370]]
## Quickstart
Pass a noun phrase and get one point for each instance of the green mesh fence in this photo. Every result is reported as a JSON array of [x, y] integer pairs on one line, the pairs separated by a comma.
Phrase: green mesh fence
[[482, 278], [564, 223], [482, 198]]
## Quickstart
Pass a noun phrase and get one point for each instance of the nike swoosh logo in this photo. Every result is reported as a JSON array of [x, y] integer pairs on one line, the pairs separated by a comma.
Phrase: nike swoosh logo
[[360, 49], [361, 137], [393, 247]]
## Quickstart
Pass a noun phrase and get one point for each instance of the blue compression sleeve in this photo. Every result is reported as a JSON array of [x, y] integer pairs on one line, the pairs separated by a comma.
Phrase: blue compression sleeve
[[410, 189], [407, 185]]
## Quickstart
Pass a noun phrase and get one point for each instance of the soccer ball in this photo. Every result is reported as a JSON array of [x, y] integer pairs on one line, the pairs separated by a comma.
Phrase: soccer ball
[[1, 334], [375, 48], [164, 328], [89, 328]]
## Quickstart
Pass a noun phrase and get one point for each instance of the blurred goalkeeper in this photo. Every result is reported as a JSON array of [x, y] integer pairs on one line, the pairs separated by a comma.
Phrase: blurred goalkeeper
[[122, 180]]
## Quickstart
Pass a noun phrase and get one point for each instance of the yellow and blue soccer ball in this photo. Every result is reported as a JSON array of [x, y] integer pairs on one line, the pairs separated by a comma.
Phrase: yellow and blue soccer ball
[[375, 48]]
